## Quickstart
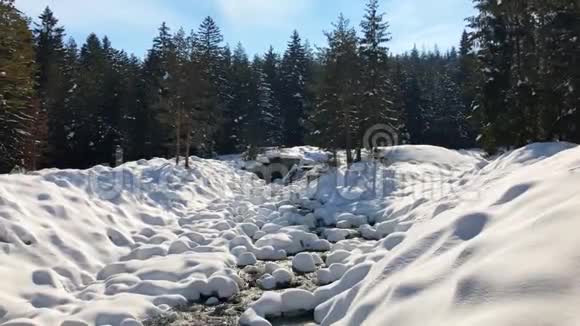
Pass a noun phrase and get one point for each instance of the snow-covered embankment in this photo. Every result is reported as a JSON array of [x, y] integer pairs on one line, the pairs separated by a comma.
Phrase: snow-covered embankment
[[429, 237]]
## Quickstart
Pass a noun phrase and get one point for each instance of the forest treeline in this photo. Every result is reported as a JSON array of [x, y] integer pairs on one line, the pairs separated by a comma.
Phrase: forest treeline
[[514, 79]]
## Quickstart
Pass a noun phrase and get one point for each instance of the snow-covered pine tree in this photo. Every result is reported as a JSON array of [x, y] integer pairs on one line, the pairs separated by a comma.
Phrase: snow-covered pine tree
[[495, 56], [173, 110], [132, 107], [337, 107], [51, 84], [414, 99], [294, 74], [225, 143], [89, 100], [376, 102], [209, 54], [468, 76], [240, 105], [113, 109], [16, 83], [154, 133], [558, 46], [270, 67], [269, 124]]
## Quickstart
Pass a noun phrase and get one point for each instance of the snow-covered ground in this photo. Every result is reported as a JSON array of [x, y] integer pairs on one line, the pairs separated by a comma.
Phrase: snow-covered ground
[[427, 236]]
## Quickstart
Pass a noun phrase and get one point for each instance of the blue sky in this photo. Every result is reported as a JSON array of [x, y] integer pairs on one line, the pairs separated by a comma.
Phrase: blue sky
[[132, 24]]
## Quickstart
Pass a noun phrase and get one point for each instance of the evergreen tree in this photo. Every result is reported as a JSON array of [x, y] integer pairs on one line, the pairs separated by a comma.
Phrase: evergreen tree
[[89, 126], [51, 83], [413, 100], [294, 76], [558, 45], [335, 116], [376, 84], [154, 133], [70, 113], [225, 143], [16, 83], [209, 52], [132, 133], [174, 84], [269, 119], [241, 103], [495, 55], [468, 78], [270, 67]]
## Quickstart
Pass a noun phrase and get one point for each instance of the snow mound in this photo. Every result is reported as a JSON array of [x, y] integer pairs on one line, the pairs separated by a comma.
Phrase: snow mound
[[112, 246], [428, 236], [430, 154], [504, 255], [305, 153]]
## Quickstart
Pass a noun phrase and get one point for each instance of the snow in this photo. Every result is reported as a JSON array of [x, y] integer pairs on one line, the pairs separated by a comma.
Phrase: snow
[[246, 259], [304, 262], [428, 236], [501, 259], [113, 246], [275, 277], [273, 304]]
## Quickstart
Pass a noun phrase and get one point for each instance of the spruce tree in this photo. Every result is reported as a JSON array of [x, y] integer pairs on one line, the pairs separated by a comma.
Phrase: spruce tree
[[156, 135], [51, 84], [337, 107], [495, 56], [269, 119], [90, 126], [376, 84], [270, 67], [16, 83], [468, 78], [294, 75], [71, 111], [414, 100], [241, 103], [209, 52]]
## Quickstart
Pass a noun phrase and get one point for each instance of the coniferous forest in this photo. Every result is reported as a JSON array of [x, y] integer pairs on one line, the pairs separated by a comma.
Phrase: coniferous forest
[[514, 79]]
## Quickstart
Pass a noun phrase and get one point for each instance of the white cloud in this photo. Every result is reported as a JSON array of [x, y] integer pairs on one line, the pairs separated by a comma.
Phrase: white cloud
[[267, 13]]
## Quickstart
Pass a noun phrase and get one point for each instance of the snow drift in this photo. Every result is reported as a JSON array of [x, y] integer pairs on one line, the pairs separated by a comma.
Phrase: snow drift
[[110, 246], [427, 236], [506, 256]]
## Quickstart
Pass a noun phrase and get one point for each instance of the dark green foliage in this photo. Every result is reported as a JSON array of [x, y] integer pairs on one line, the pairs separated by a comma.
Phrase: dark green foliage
[[514, 79], [336, 116], [294, 75], [528, 53], [16, 84], [376, 93]]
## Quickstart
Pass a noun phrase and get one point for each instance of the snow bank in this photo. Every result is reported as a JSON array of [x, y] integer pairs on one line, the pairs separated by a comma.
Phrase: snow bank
[[306, 154], [506, 256], [421, 154], [112, 246], [427, 237]]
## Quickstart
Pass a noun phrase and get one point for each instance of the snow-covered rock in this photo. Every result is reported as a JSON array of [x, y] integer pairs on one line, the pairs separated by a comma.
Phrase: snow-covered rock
[[454, 237], [273, 304], [304, 262], [267, 282], [246, 259]]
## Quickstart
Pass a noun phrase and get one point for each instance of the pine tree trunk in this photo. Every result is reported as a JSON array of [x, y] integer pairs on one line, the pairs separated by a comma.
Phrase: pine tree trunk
[[348, 148], [187, 148], [177, 136], [358, 155]]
